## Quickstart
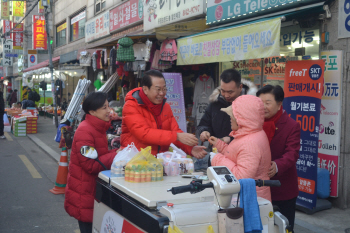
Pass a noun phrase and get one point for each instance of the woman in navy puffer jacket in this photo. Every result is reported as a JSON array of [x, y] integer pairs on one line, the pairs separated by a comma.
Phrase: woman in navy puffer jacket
[[81, 181]]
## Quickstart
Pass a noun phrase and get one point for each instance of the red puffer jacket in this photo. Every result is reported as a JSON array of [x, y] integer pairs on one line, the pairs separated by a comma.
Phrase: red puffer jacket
[[140, 127], [81, 181]]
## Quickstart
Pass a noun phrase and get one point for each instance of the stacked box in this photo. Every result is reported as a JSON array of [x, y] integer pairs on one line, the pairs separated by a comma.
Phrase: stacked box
[[19, 127], [32, 125]]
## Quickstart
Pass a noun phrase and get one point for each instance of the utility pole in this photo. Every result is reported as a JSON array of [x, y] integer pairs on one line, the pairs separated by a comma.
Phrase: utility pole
[[53, 89]]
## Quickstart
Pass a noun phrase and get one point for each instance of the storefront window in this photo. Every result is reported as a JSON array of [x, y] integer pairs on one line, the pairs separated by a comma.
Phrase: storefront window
[[61, 34], [77, 27], [48, 92]]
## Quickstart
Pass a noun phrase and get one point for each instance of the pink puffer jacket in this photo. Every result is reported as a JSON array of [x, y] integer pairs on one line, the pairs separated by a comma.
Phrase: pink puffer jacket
[[248, 155]]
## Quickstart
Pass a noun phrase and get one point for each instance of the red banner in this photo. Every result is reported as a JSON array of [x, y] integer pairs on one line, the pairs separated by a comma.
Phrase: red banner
[[39, 33], [7, 26], [75, 30], [124, 15], [17, 36]]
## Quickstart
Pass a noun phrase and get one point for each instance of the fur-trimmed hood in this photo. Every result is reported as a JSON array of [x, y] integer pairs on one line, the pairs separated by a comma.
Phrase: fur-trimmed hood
[[249, 88]]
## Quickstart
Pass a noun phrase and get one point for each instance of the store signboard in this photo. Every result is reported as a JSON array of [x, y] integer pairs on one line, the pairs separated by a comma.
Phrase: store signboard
[[303, 88], [125, 15], [39, 33], [41, 8], [18, 36], [6, 27], [249, 41], [330, 120], [18, 8], [163, 12], [175, 98], [32, 58], [78, 17], [218, 10], [5, 9], [344, 19], [97, 27], [7, 49]]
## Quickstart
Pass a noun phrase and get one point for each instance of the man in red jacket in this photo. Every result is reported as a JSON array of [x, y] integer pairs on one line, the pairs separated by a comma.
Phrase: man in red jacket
[[149, 121]]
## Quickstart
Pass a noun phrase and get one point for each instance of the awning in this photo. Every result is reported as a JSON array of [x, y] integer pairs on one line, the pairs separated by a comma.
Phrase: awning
[[252, 40], [41, 64]]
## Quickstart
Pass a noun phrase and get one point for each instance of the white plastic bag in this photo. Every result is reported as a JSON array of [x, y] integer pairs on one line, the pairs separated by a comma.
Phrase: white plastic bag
[[121, 159], [6, 120]]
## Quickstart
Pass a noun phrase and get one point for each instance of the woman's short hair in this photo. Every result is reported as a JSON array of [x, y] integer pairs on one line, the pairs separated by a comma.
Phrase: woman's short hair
[[277, 91], [94, 101]]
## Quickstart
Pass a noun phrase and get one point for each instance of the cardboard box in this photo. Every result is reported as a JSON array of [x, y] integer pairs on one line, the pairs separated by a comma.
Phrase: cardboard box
[[32, 118], [32, 132], [20, 134], [18, 131], [19, 124], [32, 128], [32, 124], [19, 128]]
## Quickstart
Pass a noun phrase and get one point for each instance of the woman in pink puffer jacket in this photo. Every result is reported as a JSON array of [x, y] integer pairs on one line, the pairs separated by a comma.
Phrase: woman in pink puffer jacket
[[248, 155]]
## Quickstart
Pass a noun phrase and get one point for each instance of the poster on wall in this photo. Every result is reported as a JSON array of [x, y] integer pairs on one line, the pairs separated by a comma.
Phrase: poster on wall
[[330, 120], [175, 98], [303, 88], [39, 33]]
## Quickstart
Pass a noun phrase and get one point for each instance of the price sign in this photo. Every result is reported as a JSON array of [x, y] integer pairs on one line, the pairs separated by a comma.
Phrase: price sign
[[303, 89]]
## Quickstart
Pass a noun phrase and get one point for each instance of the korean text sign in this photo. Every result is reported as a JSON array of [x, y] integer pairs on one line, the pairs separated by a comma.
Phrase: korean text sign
[[17, 36], [5, 9], [97, 27], [125, 14], [39, 33], [250, 41], [175, 98], [303, 89], [6, 27], [7, 49], [330, 119], [163, 12], [18, 8], [343, 19]]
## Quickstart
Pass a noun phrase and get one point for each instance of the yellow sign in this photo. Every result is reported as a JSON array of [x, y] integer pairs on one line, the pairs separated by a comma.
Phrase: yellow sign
[[41, 8], [5, 10], [62, 27], [18, 8], [249, 41]]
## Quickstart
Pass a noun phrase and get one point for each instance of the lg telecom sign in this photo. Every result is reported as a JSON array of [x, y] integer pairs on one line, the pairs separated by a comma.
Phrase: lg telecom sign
[[344, 19]]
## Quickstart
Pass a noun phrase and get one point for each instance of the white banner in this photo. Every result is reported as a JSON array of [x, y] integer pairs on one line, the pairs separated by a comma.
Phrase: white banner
[[344, 19], [97, 27], [7, 49], [163, 12]]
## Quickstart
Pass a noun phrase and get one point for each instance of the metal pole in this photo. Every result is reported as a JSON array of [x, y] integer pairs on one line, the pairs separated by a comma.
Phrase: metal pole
[[51, 65], [44, 106]]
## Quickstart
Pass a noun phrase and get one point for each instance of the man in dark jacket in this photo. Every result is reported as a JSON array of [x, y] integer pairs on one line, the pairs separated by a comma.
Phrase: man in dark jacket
[[215, 122], [2, 111], [13, 98]]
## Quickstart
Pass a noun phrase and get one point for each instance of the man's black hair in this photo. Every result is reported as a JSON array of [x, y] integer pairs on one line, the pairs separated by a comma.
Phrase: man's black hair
[[230, 75], [277, 91], [147, 80]]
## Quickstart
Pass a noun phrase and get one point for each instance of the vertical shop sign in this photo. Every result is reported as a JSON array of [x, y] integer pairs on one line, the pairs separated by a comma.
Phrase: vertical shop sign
[[75, 30], [6, 27], [344, 19], [330, 119], [5, 9], [303, 88], [163, 12], [125, 14], [18, 8], [97, 27], [39, 33], [175, 98], [7, 49], [75, 24], [18, 36]]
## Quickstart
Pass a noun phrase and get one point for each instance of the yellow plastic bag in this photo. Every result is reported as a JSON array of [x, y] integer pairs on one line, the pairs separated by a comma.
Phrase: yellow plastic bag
[[210, 229], [175, 230], [143, 167]]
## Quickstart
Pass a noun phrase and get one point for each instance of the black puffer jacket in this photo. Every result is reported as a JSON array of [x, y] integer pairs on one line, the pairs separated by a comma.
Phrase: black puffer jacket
[[216, 122]]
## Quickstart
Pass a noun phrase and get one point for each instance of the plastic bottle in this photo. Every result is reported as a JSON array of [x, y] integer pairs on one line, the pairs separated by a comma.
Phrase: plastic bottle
[[148, 175]]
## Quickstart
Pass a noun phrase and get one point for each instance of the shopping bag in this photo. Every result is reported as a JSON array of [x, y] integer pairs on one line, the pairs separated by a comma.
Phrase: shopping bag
[[175, 230], [143, 167], [121, 159], [6, 120], [210, 229]]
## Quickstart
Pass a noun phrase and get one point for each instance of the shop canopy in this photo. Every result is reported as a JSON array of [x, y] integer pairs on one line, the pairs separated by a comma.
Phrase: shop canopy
[[246, 41], [42, 64]]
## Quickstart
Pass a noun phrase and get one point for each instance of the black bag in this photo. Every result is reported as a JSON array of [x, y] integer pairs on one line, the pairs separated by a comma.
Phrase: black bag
[[36, 96]]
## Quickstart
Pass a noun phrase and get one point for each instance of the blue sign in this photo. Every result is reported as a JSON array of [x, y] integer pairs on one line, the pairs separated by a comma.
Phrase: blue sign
[[219, 10], [32, 58], [11, 55]]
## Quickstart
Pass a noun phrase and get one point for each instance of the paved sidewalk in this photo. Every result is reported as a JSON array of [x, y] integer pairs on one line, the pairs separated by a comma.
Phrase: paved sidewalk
[[328, 221]]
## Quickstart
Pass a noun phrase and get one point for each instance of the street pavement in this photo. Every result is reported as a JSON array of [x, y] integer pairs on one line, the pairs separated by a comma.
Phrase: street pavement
[[333, 220], [26, 175]]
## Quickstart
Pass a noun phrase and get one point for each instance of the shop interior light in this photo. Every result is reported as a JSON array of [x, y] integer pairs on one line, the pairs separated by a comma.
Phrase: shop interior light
[[75, 72]]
